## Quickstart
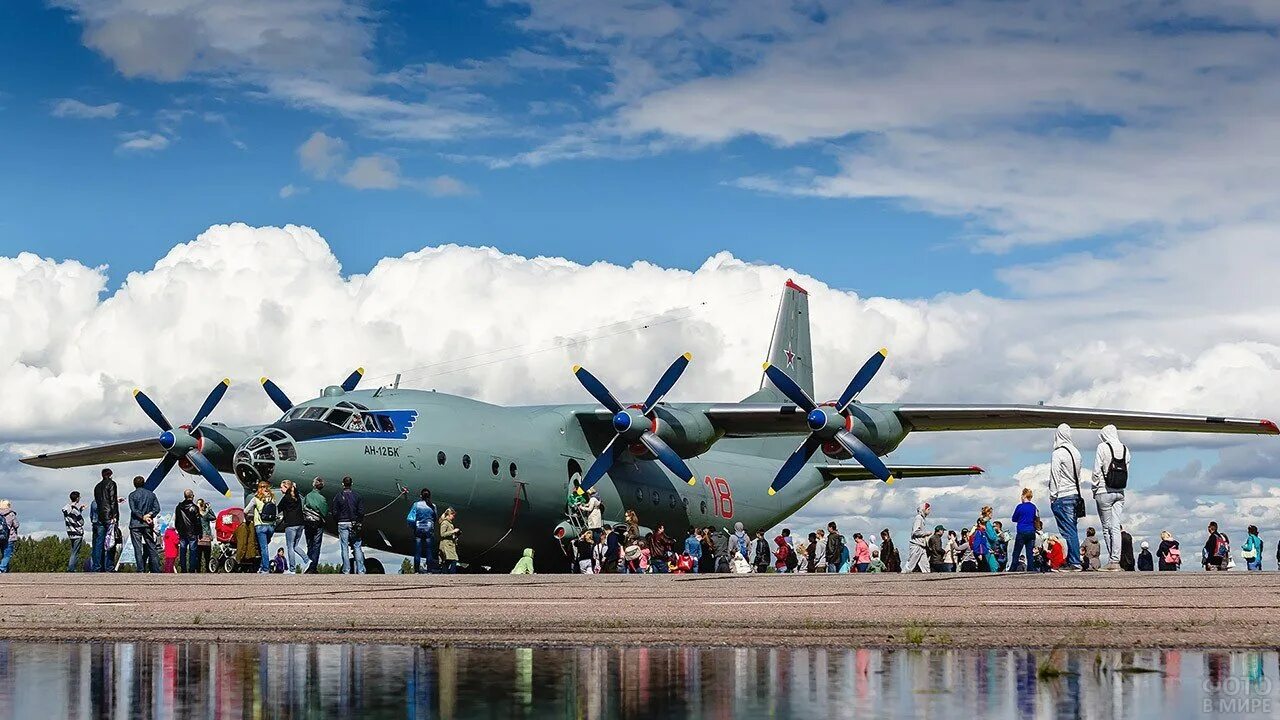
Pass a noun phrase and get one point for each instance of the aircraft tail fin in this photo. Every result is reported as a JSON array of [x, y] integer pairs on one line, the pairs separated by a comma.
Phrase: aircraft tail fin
[[790, 349]]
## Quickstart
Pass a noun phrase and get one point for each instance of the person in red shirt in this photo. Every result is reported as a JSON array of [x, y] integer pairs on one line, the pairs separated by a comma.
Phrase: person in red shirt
[[170, 549]]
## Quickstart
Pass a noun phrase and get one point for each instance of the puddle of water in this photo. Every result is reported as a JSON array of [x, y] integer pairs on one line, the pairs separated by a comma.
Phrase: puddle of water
[[233, 680]]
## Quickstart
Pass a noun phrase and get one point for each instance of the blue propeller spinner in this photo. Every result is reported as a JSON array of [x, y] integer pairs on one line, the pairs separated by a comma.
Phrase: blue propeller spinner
[[830, 422], [635, 424], [185, 441]]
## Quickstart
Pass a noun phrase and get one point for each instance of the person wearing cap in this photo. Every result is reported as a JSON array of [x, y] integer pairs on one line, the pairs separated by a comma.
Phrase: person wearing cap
[[936, 549], [1145, 561], [917, 559]]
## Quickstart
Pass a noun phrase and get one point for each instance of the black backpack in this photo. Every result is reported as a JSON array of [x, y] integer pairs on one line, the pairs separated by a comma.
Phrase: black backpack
[[1117, 475], [791, 561], [269, 513]]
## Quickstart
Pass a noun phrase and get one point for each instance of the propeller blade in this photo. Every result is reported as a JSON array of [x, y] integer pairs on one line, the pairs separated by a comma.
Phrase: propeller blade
[[665, 382], [794, 463], [161, 470], [597, 390], [151, 410], [209, 472], [862, 379], [277, 395], [783, 382], [602, 463], [864, 455], [352, 380], [668, 457], [211, 402]]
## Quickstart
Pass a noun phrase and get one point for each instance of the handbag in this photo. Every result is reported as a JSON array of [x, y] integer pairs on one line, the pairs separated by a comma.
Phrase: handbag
[[1079, 509]]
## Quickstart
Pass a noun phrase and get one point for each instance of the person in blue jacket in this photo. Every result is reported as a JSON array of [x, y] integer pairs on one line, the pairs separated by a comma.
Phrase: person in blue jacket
[[422, 517], [1025, 516], [693, 548]]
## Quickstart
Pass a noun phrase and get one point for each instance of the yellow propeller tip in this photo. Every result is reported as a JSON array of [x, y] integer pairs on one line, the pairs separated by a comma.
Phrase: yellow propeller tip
[[581, 491], [772, 491], [226, 381], [692, 481], [263, 379], [136, 391], [228, 493], [890, 480], [884, 352], [688, 356], [576, 368], [359, 371], [766, 365]]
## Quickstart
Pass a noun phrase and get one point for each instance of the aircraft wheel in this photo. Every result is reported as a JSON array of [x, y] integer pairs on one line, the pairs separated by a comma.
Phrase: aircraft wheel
[[373, 566]]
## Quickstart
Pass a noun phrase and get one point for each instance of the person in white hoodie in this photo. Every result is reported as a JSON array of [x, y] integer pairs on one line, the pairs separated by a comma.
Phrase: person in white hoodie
[[1110, 479], [918, 557], [1064, 493]]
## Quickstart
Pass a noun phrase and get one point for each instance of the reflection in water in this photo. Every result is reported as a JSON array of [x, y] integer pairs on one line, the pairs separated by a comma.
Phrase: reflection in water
[[106, 680]]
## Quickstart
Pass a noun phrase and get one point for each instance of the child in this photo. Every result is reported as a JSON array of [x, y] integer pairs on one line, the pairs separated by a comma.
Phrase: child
[[876, 565], [278, 563], [170, 550]]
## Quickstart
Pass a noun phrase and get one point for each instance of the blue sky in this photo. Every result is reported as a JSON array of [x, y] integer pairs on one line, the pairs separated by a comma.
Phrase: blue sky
[[1071, 202], [68, 191]]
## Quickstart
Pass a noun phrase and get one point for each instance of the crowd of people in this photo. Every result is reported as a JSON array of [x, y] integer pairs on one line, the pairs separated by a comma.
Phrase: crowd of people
[[184, 545]]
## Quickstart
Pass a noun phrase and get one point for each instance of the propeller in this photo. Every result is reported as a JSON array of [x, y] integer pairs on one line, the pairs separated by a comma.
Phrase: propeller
[[829, 422], [184, 441], [283, 402], [634, 424]]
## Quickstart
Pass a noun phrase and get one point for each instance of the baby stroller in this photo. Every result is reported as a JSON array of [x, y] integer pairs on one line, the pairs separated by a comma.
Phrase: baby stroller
[[235, 548]]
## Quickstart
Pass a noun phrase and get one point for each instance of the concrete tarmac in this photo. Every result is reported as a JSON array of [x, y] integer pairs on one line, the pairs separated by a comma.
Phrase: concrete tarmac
[[1183, 609]]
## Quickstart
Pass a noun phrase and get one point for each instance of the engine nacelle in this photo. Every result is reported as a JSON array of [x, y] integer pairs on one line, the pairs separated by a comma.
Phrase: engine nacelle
[[688, 433]]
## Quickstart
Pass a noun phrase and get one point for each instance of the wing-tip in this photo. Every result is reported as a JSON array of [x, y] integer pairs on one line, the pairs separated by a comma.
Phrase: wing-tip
[[1269, 427], [977, 469]]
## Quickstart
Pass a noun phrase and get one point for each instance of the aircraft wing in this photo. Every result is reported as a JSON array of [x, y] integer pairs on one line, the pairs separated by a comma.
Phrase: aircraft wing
[[857, 472], [942, 418], [99, 454]]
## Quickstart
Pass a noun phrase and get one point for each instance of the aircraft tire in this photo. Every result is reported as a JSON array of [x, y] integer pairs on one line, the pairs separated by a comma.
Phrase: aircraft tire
[[373, 566]]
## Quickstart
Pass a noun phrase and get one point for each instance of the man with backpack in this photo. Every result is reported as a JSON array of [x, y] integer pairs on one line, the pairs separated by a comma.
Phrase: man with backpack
[[349, 508], [315, 511], [1216, 550], [834, 548], [1110, 479], [422, 518]]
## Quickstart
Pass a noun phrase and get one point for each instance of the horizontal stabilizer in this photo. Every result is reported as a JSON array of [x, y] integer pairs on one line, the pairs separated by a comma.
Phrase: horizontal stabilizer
[[857, 472], [128, 451]]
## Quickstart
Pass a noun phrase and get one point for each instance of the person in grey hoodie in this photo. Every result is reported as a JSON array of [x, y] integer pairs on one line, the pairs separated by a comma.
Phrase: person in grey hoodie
[[1064, 492], [1112, 454], [918, 557], [10, 543]]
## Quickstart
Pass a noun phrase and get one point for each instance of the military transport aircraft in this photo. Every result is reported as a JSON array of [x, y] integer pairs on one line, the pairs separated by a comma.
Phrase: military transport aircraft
[[509, 470]]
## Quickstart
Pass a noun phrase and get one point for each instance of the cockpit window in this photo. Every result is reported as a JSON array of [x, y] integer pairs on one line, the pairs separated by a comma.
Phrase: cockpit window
[[338, 417], [385, 424], [314, 413]]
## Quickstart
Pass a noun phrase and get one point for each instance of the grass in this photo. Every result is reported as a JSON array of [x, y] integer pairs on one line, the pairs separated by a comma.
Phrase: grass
[[914, 635]]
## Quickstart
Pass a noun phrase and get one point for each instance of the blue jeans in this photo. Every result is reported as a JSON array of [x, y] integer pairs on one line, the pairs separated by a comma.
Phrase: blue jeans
[[1025, 540], [97, 556], [1111, 517], [76, 544], [1064, 511], [7, 553], [146, 557], [293, 536], [424, 542], [348, 539], [315, 536], [264, 533], [189, 555]]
